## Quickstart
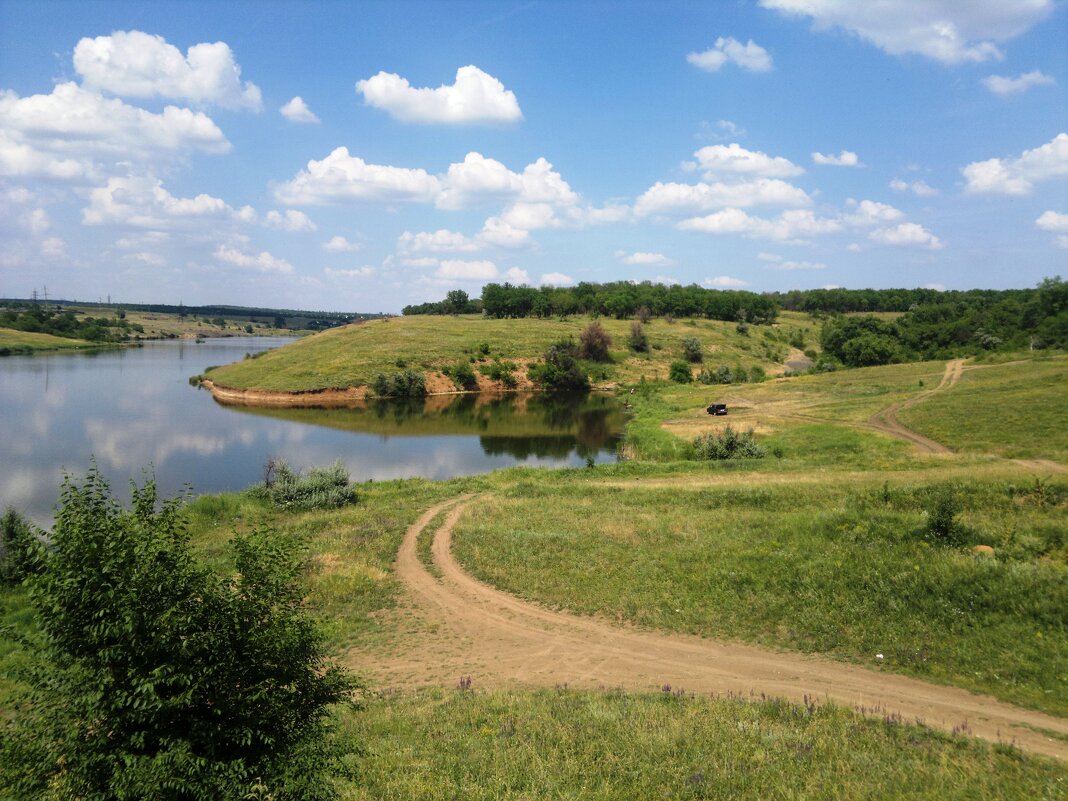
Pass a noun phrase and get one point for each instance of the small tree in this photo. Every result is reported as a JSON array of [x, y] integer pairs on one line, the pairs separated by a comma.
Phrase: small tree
[[644, 315], [638, 341], [18, 545], [560, 372], [157, 677], [594, 343], [680, 371], [692, 350]]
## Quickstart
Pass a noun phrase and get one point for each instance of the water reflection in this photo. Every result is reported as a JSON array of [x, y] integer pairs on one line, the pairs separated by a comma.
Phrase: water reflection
[[134, 408]]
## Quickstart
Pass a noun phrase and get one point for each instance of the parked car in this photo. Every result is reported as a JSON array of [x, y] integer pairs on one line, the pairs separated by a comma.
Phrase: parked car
[[717, 408]]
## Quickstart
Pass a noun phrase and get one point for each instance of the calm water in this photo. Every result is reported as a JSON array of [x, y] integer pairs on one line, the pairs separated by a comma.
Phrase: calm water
[[134, 408]]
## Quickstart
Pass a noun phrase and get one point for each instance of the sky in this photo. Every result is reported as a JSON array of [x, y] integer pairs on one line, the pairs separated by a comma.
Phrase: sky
[[363, 156]]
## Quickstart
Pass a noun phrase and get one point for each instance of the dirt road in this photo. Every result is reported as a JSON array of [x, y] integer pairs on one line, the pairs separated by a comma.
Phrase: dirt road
[[886, 421], [466, 628]]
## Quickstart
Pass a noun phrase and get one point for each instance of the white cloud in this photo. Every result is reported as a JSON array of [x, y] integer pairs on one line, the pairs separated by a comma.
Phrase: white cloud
[[141, 201], [1003, 85], [440, 241], [497, 232], [906, 235], [847, 158], [136, 64], [339, 244], [644, 258], [556, 279], [950, 31], [774, 257], [871, 212], [478, 179], [36, 221], [517, 275], [1057, 223], [918, 188], [666, 280], [359, 272], [290, 220], [63, 134], [421, 261], [791, 225], [341, 176], [1018, 176], [530, 216], [664, 198], [54, 248], [474, 97], [799, 265], [296, 110], [460, 270], [263, 262], [749, 56], [724, 282], [733, 159]]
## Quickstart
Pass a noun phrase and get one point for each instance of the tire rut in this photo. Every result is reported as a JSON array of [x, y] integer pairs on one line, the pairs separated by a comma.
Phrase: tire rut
[[886, 422], [467, 628]]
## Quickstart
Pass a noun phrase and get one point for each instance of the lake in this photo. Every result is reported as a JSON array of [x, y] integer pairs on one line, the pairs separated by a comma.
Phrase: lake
[[133, 408]]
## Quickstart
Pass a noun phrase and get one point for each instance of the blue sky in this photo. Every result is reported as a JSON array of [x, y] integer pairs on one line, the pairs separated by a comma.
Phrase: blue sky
[[363, 156]]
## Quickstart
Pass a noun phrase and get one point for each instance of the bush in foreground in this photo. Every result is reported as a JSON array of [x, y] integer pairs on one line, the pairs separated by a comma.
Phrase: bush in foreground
[[156, 677], [729, 444], [18, 545], [322, 488]]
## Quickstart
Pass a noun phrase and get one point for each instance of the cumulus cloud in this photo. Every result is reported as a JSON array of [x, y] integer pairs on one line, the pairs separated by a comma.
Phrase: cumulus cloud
[[478, 179], [666, 198], [53, 248], [1003, 85], [289, 220], [948, 31], [733, 159], [497, 232], [440, 241], [460, 270], [1017, 176], [793, 225], [871, 212], [749, 56], [798, 265], [1057, 223], [556, 279], [474, 97], [296, 110], [644, 259], [906, 235], [339, 244], [136, 64], [357, 272], [263, 261], [918, 188], [65, 134], [341, 176], [143, 202], [724, 282], [517, 275], [847, 158]]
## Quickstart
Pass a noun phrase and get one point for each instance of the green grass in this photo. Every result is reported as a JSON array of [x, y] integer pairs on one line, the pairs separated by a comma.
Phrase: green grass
[[831, 565], [354, 355], [1014, 410], [12, 342], [609, 745]]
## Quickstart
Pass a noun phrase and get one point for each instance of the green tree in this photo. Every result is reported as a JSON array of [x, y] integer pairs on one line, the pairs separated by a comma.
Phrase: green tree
[[157, 677], [680, 371], [18, 546], [594, 343]]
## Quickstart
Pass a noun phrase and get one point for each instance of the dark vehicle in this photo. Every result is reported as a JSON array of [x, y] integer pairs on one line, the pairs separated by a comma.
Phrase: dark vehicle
[[717, 408]]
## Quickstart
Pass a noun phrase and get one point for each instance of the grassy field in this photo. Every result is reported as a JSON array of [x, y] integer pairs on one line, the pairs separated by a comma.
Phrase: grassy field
[[354, 355], [1014, 410], [12, 341]]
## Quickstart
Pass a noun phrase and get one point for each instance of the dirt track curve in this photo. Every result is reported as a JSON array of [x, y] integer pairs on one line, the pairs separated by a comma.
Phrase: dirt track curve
[[470, 629], [886, 420]]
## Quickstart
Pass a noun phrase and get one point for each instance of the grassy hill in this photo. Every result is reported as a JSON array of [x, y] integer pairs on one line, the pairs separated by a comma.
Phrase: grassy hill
[[12, 341], [354, 355]]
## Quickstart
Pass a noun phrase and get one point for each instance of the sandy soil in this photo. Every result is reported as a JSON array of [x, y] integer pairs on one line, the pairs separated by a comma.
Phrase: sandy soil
[[462, 627]]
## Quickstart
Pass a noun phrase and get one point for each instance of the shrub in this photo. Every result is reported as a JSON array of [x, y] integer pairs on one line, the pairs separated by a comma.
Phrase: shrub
[[638, 341], [594, 343], [729, 444], [942, 509], [742, 328], [500, 371], [644, 315], [322, 488], [680, 371], [406, 384], [18, 546], [721, 375], [692, 350], [157, 677], [757, 374], [560, 372], [463, 376]]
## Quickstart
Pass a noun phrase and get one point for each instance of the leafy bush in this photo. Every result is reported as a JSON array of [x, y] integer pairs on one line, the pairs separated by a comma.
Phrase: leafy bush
[[594, 343], [501, 371], [560, 371], [322, 488], [680, 371], [156, 677], [18, 546], [729, 444], [724, 374], [942, 509], [406, 384], [638, 341], [692, 350], [463, 376], [757, 374]]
